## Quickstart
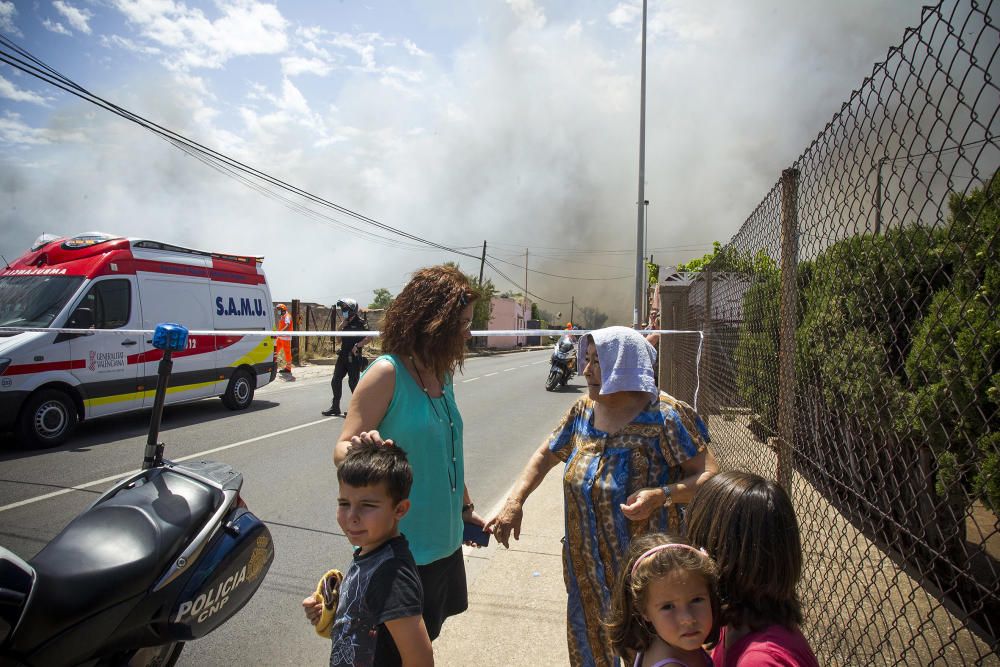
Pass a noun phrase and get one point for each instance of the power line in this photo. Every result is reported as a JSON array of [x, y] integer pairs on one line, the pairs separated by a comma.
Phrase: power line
[[554, 275], [49, 75]]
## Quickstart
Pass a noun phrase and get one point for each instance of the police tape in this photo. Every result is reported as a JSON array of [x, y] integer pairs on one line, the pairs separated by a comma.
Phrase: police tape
[[503, 333], [508, 333]]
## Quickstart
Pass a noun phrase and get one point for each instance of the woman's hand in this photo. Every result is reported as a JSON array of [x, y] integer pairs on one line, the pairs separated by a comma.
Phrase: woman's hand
[[507, 521], [640, 505], [473, 517], [313, 609], [370, 437]]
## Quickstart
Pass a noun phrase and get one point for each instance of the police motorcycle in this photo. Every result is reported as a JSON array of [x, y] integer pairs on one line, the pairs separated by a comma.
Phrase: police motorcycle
[[563, 363], [164, 557]]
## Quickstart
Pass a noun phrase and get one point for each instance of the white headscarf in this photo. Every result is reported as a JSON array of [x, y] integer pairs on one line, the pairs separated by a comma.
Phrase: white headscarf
[[627, 360]]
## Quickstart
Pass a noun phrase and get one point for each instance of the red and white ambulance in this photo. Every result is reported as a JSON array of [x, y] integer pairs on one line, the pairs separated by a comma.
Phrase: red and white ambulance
[[118, 287]]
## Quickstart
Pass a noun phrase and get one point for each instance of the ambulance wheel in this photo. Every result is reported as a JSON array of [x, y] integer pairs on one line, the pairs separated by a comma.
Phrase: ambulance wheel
[[47, 419], [239, 393]]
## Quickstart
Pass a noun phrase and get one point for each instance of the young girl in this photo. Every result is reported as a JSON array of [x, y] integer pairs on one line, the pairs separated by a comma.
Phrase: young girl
[[666, 604]]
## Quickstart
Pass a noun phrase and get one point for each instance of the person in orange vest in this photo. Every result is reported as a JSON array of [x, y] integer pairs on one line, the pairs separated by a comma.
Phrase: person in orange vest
[[284, 343]]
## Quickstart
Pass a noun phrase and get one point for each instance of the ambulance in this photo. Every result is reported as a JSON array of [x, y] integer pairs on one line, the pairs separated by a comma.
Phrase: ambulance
[[118, 289]]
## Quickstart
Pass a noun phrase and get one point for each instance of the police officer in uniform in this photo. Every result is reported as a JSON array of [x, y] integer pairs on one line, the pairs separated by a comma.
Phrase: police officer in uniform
[[349, 358]]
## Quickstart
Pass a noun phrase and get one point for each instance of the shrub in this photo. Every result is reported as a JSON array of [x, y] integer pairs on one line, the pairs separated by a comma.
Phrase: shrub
[[953, 368]]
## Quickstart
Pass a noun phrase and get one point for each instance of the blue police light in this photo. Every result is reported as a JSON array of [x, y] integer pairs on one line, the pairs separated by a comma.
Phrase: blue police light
[[170, 336]]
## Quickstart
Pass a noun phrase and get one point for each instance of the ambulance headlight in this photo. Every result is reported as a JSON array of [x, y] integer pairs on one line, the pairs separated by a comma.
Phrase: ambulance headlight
[[170, 336], [4, 363]]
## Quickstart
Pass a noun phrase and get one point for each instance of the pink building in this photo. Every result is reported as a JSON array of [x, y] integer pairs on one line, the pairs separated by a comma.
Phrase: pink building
[[508, 313]]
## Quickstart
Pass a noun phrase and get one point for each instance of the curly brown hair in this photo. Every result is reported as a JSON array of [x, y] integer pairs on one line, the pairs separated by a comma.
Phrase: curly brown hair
[[423, 320], [628, 630]]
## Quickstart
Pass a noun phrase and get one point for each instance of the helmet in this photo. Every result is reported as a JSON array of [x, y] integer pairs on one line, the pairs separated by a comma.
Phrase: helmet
[[569, 325], [281, 306], [349, 305]]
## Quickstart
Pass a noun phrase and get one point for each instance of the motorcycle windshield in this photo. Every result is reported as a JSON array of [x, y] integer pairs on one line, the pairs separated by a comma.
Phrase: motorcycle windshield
[[34, 301]]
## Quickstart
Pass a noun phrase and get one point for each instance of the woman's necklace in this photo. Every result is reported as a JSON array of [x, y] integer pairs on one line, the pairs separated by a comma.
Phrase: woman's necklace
[[453, 471]]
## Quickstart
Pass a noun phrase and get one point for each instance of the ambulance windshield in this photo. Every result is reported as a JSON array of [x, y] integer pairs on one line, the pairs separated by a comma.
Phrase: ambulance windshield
[[34, 301]]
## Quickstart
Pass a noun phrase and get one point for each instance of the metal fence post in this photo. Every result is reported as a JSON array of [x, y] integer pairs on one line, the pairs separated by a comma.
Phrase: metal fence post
[[788, 322]]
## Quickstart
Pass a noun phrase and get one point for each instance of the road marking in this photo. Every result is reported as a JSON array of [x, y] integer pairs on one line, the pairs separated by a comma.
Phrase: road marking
[[114, 478], [508, 370], [470, 380], [524, 365], [490, 374]]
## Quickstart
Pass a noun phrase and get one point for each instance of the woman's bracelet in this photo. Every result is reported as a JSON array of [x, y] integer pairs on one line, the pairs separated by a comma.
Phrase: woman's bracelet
[[468, 507]]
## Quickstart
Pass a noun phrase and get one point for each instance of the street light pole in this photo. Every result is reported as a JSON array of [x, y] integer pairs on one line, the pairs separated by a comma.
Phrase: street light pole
[[640, 240], [645, 267]]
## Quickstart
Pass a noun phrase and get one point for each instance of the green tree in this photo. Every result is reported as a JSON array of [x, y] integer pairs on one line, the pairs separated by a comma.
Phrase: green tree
[[953, 366], [699, 263], [382, 299], [482, 307], [652, 273], [757, 348]]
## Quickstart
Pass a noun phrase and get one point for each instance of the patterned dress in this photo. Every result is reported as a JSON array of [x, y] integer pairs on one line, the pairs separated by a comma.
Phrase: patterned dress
[[601, 472]]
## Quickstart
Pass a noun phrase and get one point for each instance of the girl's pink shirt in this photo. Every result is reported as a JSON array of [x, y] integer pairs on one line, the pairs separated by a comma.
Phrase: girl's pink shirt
[[774, 646]]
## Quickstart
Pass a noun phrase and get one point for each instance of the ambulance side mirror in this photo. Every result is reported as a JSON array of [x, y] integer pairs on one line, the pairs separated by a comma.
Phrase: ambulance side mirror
[[82, 318]]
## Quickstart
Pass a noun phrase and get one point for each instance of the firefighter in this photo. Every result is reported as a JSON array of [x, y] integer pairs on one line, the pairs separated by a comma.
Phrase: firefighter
[[284, 343], [349, 358]]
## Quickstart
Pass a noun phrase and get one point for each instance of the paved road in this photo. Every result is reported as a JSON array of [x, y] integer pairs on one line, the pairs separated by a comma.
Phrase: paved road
[[282, 445]]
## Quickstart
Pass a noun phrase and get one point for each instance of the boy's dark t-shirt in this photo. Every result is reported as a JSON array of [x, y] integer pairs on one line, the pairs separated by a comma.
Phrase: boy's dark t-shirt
[[379, 586]]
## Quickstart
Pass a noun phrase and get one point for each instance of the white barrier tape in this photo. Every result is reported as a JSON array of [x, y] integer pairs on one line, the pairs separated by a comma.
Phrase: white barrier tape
[[335, 334], [374, 334]]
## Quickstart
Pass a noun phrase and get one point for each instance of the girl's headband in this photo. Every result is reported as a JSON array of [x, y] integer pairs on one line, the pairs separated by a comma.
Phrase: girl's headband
[[661, 547]]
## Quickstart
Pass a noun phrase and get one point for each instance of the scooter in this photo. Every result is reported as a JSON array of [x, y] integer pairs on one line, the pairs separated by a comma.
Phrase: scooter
[[563, 363], [164, 557]]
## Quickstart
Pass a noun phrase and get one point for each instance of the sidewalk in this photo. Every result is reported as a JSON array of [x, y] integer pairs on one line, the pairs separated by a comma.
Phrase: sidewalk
[[517, 598]]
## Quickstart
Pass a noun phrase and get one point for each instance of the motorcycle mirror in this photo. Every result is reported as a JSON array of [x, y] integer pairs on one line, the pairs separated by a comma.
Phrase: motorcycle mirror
[[170, 336]]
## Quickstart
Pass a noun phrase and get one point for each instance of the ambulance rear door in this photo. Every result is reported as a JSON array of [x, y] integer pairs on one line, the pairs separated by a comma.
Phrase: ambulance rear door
[[242, 307], [109, 374], [183, 299]]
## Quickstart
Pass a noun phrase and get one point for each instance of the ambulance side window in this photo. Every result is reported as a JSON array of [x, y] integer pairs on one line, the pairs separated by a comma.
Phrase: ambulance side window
[[109, 303]]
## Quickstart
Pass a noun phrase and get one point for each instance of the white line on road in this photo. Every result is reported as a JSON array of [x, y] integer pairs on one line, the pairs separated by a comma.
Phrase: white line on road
[[508, 370], [113, 478], [470, 380], [490, 375]]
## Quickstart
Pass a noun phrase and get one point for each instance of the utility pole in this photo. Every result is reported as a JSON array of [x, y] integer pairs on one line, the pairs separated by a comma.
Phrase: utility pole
[[644, 311], [482, 261], [639, 236], [525, 273], [572, 304]]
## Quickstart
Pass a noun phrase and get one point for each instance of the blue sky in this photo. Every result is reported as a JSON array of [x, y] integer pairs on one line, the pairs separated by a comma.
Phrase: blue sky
[[514, 122]]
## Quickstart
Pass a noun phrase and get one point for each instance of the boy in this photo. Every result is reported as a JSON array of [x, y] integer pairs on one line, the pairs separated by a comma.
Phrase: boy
[[378, 620]]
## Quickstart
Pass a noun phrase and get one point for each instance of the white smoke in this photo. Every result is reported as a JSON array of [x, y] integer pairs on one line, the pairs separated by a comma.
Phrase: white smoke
[[525, 133]]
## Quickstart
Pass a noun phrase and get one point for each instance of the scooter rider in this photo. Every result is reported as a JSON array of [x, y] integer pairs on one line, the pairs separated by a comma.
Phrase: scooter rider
[[349, 357]]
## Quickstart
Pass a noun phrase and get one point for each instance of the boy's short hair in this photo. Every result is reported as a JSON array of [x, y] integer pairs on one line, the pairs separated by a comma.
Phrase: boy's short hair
[[368, 464]]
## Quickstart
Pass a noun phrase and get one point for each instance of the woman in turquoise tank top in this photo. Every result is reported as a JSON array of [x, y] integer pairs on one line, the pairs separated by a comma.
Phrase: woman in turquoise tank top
[[406, 398]]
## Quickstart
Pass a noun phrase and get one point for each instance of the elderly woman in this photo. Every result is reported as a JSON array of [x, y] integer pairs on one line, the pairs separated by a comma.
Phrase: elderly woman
[[632, 455]]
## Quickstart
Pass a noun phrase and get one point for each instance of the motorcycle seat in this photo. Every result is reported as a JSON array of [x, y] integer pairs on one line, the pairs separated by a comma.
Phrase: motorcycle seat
[[117, 549]]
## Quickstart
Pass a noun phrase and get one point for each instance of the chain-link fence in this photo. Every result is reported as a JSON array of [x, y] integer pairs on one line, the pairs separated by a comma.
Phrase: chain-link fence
[[852, 350]]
